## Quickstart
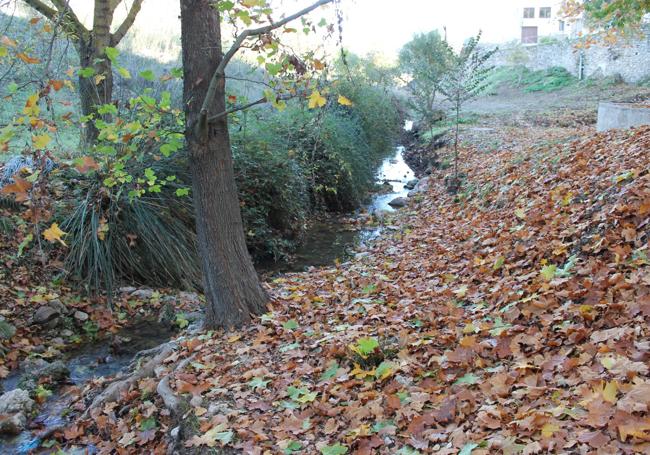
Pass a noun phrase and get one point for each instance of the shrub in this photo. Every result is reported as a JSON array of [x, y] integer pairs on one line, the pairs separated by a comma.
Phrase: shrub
[[147, 240]]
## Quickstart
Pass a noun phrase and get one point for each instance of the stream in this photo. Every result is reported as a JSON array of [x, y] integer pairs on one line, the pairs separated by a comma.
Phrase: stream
[[92, 360], [325, 242]]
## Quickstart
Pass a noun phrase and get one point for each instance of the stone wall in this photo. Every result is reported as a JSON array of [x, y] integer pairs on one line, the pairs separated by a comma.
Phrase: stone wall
[[629, 60]]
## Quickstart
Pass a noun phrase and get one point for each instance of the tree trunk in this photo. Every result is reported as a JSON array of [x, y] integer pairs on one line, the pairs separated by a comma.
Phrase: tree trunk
[[93, 92], [232, 289]]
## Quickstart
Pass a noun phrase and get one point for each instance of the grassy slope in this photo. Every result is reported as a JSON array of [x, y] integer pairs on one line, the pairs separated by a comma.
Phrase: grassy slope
[[514, 317]]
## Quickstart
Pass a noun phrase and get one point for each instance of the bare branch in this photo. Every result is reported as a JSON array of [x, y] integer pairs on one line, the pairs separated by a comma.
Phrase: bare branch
[[235, 109], [127, 23], [246, 106], [239, 41], [70, 21]]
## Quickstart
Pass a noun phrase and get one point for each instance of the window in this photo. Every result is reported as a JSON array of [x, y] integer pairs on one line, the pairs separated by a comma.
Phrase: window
[[545, 13], [561, 26], [529, 13]]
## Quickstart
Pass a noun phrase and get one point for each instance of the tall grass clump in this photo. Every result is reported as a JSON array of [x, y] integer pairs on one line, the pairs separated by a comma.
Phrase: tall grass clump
[[148, 240]]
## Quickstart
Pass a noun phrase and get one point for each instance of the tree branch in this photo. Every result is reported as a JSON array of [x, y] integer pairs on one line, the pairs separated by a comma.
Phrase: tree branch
[[220, 72], [70, 21], [127, 23], [246, 106]]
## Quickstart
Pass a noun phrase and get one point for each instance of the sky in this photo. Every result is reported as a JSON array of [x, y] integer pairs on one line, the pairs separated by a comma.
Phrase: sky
[[380, 26]]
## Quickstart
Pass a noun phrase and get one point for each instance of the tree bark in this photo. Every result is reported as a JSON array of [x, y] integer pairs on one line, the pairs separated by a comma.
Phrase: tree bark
[[92, 93], [232, 289], [91, 48]]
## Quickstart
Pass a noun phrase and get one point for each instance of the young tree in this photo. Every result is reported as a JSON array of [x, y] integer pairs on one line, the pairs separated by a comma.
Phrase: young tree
[[466, 80], [231, 286], [91, 45], [609, 14], [426, 59]]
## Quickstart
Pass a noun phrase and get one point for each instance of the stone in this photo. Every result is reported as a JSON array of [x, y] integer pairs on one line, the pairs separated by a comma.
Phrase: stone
[[143, 294], [81, 316], [58, 306], [67, 333], [13, 424], [411, 184], [16, 401], [127, 290], [6, 330], [45, 314], [398, 202], [35, 368]]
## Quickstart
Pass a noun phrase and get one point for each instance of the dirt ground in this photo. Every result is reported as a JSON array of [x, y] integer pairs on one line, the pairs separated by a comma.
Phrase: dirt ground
[[512, 118]]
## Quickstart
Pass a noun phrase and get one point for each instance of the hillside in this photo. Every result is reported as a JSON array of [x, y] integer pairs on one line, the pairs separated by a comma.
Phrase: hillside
[[510, 318]]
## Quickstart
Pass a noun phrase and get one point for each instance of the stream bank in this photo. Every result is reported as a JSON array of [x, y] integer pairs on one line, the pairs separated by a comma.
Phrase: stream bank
[[92, 361], [325, 242]]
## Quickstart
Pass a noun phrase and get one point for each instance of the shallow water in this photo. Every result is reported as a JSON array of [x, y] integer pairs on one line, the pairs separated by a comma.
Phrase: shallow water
[[93, 360], [327, 241]]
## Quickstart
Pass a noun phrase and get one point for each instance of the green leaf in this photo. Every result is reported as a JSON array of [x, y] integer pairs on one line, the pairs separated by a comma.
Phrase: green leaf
[[291, 324], [499, 263], [366, 346], [182, 192], [331, 371], [258, 383], [548, 272], [148, 424], [112, 53], [124, 72], [336, 449], [293, 446], [384, 370], [469, 378], [289, 347], [468, 448], [87, 72], [408, 450], [148, 75], [225, 5]]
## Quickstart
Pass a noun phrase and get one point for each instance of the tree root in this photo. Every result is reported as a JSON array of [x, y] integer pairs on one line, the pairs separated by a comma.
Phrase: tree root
[[117, 388]]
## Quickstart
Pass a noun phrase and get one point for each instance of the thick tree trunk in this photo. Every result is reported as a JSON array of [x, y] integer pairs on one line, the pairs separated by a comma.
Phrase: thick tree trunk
[[232, 289]]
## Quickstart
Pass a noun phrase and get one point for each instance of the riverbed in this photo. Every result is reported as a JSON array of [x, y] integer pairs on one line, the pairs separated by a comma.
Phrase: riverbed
[[327, 241]]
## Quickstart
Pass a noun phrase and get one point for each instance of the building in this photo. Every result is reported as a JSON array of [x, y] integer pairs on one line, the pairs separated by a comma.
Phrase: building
[[543, 18]]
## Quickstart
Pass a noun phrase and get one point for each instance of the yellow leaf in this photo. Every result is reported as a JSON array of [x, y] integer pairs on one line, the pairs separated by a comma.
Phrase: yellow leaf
[[610, 391], [54, 233], [549, 429], [461, 291], [316, 100], [40, 142], [360, 373], [520, 213], [31, 106], [344, 101]]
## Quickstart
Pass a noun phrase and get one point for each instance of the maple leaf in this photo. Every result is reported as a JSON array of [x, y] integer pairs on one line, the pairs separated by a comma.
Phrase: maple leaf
[[344, 101], [40, 142], [548, 272], [85, 164], [316, 100], [19, 188], [54, 233], [218, 434]]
